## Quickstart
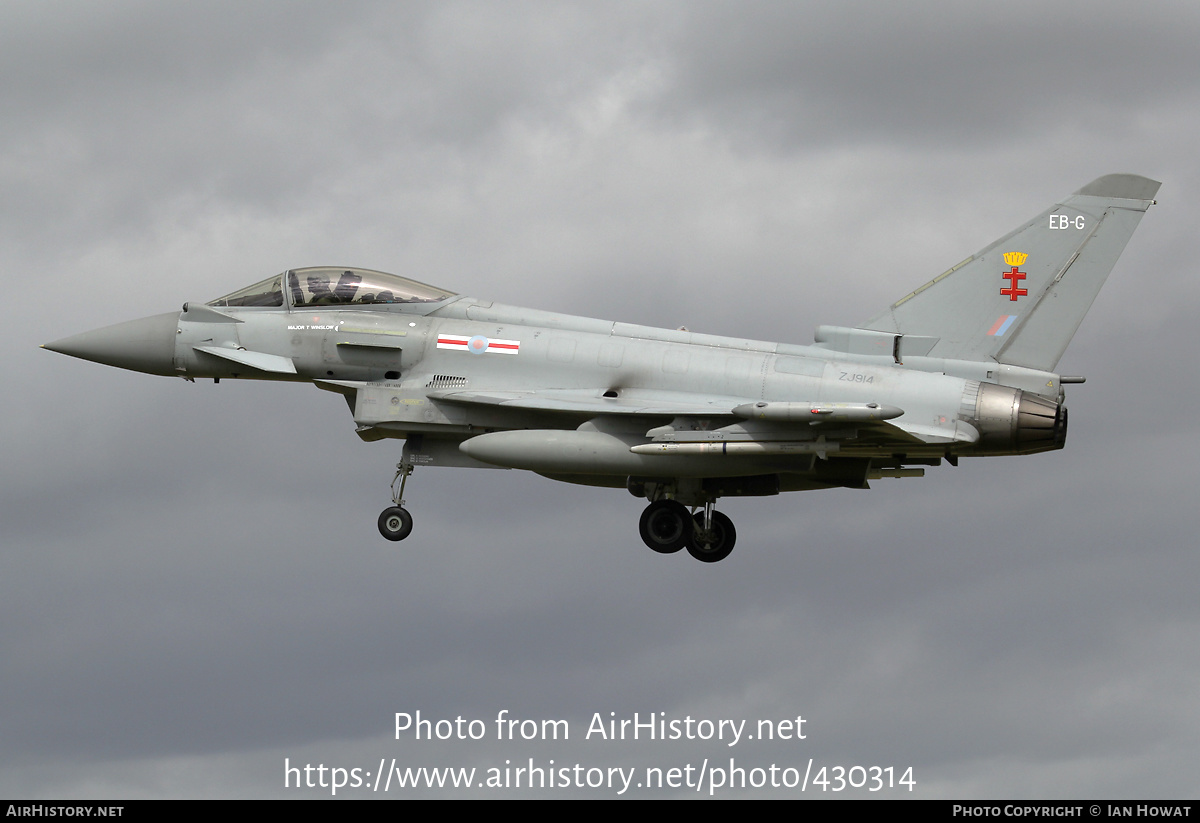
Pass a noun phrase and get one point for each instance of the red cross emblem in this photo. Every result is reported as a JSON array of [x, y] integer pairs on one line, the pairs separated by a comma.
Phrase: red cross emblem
[[1013, 291]]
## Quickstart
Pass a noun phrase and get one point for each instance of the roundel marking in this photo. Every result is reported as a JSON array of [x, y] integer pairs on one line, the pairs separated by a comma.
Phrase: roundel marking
[[477, 344]]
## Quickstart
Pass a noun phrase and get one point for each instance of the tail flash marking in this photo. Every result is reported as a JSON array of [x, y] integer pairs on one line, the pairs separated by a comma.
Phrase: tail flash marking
[[1002, 325]]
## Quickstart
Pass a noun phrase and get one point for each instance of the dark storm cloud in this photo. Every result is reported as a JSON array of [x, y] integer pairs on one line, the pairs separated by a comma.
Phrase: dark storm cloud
[[936, 75], [128, 108], [121, 104]]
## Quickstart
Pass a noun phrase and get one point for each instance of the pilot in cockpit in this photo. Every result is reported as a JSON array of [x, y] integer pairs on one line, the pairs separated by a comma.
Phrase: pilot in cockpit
[[318, 287], [347, 285]]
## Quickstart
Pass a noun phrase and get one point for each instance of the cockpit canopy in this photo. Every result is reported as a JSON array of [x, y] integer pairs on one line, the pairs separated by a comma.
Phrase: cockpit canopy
[[333, 285]]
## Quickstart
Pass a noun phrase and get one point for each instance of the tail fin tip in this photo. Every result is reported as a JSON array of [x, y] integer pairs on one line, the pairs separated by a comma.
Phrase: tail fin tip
[[1121, 186]]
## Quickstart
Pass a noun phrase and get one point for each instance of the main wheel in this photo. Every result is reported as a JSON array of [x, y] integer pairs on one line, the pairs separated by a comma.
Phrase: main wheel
[[665, 526], [714, 544], [395, 523]]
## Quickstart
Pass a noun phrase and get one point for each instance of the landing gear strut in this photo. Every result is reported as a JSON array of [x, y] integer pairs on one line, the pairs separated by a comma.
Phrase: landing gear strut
[[395, 523], [714, 542]]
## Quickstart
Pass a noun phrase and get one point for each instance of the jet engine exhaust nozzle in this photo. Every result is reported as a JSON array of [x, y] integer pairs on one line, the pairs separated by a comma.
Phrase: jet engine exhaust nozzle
[[1011, 421]]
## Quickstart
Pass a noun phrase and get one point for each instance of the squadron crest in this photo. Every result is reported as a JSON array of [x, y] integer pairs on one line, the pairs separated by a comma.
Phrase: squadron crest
[[1014, 276]]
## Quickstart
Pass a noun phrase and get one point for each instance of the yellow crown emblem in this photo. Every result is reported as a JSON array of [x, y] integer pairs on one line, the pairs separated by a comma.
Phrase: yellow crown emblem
[[1015, 258]]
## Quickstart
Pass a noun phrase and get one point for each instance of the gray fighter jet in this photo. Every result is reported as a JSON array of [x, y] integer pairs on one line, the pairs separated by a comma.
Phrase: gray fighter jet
[[962, 366]]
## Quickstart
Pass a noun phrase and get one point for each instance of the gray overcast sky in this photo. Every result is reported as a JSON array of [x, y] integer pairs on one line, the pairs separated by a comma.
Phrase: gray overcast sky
[[192, 588]]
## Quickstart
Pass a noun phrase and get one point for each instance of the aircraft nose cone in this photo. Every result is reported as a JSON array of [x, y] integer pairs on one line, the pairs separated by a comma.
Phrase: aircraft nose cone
[[145, 345]]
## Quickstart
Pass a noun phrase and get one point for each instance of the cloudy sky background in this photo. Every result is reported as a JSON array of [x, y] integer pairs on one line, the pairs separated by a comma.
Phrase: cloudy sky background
[[192, 587]]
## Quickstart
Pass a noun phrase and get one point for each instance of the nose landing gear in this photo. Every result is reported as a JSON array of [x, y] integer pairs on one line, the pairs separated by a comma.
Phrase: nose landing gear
[[395, 523]]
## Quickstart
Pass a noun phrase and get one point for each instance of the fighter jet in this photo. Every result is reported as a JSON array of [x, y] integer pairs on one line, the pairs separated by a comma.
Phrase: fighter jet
[[962, 366]]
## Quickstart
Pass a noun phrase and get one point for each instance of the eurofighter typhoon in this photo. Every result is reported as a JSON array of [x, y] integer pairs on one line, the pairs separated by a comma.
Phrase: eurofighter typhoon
[[962, 366]]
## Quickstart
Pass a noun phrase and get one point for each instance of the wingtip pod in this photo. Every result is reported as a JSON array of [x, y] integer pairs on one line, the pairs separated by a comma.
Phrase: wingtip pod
[[1121, 186]]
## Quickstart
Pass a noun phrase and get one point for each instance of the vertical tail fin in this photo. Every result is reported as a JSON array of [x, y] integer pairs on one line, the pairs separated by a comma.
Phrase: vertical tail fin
[[1020, 300]]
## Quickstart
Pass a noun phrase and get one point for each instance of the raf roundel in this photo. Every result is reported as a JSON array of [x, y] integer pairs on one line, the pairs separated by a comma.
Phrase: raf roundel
[[478, 344]]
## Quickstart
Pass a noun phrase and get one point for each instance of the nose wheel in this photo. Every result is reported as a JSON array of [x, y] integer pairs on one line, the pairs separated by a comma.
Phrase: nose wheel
[[395, 523]]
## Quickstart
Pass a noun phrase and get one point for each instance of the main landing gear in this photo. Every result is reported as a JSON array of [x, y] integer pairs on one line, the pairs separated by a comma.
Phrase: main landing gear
[[395, 523], [667, 526]]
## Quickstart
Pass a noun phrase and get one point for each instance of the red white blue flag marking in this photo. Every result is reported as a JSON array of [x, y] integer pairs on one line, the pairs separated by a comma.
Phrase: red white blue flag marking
[[1002, 325], [478, 344]]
